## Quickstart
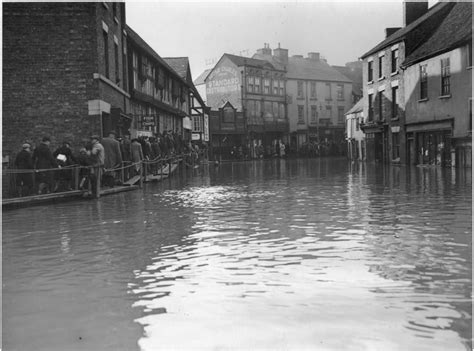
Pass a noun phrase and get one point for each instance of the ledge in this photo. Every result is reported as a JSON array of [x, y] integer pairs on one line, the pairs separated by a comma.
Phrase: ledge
[[110, 83], [423, 100], [381, 78], [444, 96], [370, 82], [394, 73]]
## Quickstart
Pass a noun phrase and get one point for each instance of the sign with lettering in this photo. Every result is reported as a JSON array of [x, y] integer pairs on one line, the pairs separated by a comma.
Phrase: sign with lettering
[[224, 79], [195, 136], [148, 121], [206, 128]]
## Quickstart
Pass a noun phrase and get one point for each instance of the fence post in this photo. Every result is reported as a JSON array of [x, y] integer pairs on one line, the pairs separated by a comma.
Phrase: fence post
[[98, 180], [141, 174], [145, 169], [76, 178]]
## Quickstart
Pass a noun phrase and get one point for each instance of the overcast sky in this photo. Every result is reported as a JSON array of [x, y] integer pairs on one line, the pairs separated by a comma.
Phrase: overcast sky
[[203, 31]]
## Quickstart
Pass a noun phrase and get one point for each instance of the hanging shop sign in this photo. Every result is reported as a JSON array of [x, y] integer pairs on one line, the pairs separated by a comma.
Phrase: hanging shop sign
[[206, 128], [195, 136]]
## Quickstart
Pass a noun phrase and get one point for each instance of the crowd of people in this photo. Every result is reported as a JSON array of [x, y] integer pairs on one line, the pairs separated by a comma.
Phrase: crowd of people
[[52, 171]]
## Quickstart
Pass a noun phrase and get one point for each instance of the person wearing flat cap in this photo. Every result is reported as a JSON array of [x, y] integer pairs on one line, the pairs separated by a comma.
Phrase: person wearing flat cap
[[24, 161], [113, 158]]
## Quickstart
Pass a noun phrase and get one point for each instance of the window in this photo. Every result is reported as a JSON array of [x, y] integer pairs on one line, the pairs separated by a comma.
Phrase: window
[[394, 60], [314, 113], [313, 90], [340, 114], [300, 114], [268, 109], [228, 115], [371, 107], [357, 124], [394, 102], [395, 145], [276, 84], [267, 86], [300, 89], [469, 55], [340, 91], [135, 70], [257, 85], [329, 111], [276, 110], [106, 52], [258, 108], [282, 110], [197, 124], [380, 66], [282, 87], [328, 91], [124, 64], [380, 98], [250, 84], [370, 70], [117, 71], [423, 82], [445, 75]]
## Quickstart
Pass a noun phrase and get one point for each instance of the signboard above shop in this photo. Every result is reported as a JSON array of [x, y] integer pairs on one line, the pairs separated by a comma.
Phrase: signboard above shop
[[148, 121], [195, 136]]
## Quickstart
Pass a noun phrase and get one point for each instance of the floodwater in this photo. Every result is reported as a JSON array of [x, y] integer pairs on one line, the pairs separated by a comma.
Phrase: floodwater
[[267, 255]]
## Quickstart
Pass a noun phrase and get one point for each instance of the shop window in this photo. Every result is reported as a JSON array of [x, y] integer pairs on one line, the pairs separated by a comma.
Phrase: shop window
[[445, 77]]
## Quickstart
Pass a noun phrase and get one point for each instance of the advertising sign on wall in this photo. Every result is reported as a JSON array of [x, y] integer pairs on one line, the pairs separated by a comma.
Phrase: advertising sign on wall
[[206, 128], [196, 136]]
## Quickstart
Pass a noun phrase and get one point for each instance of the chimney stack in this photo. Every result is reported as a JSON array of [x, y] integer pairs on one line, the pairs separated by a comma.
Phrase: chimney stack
[[281, 54], [390, 31], [313, 56], [265, 50], [412, 10]]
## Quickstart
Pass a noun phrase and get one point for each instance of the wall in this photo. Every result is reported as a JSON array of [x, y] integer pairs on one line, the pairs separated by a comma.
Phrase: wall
[[224, 84], [49, 55], [435, 108]]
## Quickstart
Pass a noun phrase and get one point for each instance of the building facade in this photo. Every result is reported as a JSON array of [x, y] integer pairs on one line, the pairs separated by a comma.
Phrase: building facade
[[354, 135], [256, 89], [383, 82], [318, 97], [64, 72], [438, 93]]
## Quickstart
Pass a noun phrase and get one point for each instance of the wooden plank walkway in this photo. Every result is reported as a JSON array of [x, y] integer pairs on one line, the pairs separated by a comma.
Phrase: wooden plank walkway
[[41, 198], [117, 189]]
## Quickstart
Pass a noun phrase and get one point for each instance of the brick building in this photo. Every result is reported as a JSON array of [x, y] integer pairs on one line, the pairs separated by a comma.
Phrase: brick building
[[383, 81], [255, 88], [64, 72]]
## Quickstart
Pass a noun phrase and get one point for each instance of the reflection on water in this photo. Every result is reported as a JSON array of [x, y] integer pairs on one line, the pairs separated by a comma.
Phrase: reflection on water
[[289, 255]]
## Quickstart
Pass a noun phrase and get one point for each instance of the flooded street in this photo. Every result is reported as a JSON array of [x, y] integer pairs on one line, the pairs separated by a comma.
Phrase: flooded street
[[264, 255]]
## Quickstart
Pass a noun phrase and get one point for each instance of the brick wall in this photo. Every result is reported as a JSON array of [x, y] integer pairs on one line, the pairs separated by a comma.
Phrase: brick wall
[[49, 57]]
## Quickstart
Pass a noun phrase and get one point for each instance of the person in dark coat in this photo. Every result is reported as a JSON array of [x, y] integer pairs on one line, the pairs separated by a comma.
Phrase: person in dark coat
[[24, 161], [64, 158], [137, 155], [44, 161], [113, 158]]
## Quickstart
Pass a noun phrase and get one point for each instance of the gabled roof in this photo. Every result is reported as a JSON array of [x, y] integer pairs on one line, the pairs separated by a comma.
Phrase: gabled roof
[[429, 19], [455, 30], [358, 107], [179, 64], [200, 80], [303, 68], [133, 36]]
